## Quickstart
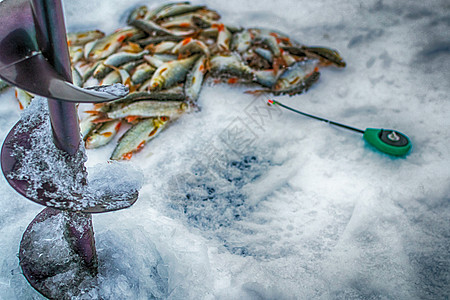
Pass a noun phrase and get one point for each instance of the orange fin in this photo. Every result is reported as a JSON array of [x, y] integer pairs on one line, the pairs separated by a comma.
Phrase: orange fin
[[127, 156], [101, 120], [131, 119], [93, 112], [256, 92]]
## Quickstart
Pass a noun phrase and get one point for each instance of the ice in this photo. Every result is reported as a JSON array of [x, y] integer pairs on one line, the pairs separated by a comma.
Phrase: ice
[[116, 89], [51, 257], [322, 214], [47, 254], [62, 178], [44, 164]]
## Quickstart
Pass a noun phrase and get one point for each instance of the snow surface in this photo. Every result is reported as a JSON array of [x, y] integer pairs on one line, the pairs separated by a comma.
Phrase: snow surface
[[242, 202]]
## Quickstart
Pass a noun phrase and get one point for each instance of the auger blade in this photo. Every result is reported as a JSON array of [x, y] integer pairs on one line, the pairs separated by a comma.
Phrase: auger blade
[[23, 62]]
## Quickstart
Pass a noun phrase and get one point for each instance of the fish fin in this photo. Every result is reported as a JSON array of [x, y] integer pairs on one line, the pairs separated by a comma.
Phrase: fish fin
[[98, 105], [256, 92], [233, 80], [102, 119], [131, 119], [127, 156], [277, 63], [93, 112], [133, 47], [141, 145]]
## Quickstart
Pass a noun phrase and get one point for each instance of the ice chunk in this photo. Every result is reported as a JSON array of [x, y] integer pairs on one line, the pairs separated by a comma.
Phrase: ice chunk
[[113, 178], [41, 163], [59, 180], [116, 89], [49, 260], [53, 266]]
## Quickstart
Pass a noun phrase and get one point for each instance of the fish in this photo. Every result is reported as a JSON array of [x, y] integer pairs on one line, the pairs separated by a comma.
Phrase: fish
[[190, 46], [173, 94], [88, 48], [264, 53], [288, 58], [194, 79], [130, 47], [149, 27], [111, 78], [3, 85], [327, 56], [208, 14], [153, 61], [171, 72], [184, 21], [183, 31], [281, 38], [230, 65], [177, 9], [241, 41], [77, 79], [116, 60], [156, 60], [209, 34], [23, 97], [269, 40], [151, 14], [87, 125], [297, 78], [81, 38], [103, 134], [88, 69], [138, 13], [265, 78], [137, 136], [76, 53], [121, 74], [146, 109], [143, 72], [131, 66], [109, 44], [164, 47], [223, 37], [158, 39]]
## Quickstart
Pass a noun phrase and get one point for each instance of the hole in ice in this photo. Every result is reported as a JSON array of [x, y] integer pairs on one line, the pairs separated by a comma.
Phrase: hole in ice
[[210, 195]]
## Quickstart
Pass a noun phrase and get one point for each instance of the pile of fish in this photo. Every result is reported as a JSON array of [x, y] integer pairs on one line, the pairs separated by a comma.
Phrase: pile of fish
[[163, 57]]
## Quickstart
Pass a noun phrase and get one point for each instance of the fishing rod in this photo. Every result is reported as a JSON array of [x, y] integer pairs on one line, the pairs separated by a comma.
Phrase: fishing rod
[[389, 141]]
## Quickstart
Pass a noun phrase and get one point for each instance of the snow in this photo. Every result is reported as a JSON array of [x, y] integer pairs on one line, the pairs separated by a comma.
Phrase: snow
[[281, 206]]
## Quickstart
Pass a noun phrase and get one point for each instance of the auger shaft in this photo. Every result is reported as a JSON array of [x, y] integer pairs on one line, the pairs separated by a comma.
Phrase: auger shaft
[[52, 40]]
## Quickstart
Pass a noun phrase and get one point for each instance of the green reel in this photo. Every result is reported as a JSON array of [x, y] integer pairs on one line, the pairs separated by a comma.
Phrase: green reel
[[388, 141]]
